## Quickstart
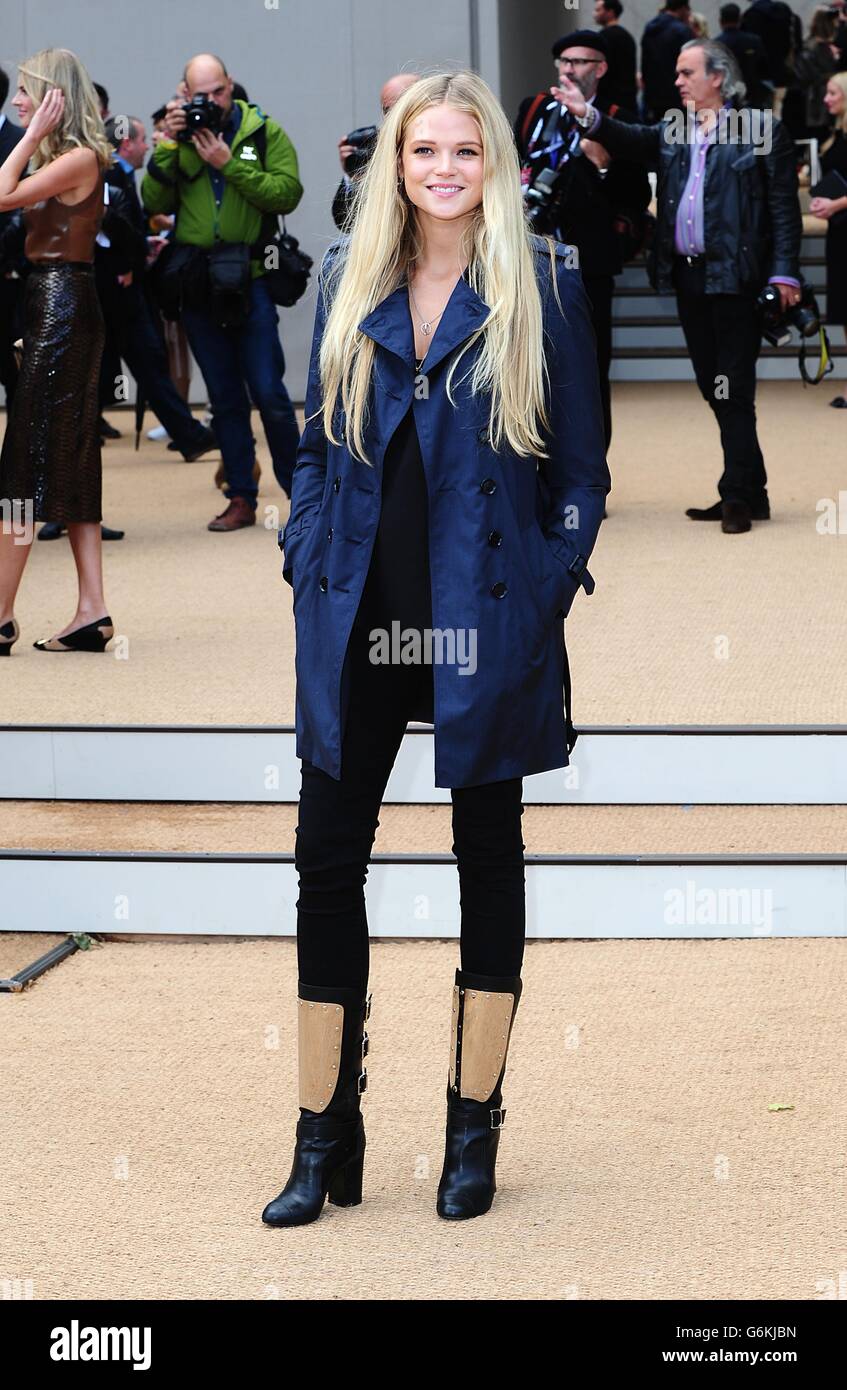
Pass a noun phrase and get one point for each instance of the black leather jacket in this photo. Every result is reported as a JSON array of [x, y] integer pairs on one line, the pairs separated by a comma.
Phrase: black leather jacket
[[751, 210]]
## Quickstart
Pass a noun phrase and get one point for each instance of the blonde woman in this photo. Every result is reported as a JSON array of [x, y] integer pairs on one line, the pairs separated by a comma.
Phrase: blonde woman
[[449, 488], [50, 467], [834, 211]]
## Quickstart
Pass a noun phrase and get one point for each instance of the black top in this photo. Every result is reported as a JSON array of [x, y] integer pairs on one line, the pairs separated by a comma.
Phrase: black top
[[397, 587], [618, 85], [836, 239]]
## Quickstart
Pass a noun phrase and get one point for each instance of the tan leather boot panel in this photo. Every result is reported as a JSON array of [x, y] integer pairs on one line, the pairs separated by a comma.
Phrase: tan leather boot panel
[[319, 1032], [485, 1041]]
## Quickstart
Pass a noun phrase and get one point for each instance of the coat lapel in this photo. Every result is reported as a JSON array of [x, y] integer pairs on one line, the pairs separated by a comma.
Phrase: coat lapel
[[390, 324]]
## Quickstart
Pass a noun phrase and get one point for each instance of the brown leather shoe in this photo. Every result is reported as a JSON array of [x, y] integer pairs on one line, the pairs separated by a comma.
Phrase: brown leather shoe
[[220, 475], [239, 513]]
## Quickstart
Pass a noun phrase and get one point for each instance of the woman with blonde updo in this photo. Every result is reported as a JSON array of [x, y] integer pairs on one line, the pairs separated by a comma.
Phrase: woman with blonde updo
[[51, 467]]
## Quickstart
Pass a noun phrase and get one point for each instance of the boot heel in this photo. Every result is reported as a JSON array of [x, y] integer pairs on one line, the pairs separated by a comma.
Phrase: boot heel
[[345, 1188]]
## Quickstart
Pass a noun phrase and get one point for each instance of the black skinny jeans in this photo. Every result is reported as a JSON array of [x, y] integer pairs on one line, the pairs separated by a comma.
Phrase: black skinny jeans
[[337, 823]]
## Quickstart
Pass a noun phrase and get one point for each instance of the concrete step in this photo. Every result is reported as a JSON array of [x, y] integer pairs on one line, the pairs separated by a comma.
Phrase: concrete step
[[669, 871], [722, 764], [645, 336], [635, 276]]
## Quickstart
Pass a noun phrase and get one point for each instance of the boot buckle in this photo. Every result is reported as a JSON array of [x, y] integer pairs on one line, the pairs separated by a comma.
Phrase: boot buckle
[[362, 1083], [368, 1006], [501, 1114], [366, 1042]]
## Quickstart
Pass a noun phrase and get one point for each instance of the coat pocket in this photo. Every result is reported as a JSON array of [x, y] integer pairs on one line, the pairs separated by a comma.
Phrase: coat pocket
[[547, 573]]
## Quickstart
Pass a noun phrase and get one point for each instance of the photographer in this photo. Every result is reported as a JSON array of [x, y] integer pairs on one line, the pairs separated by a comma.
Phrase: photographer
[[717, 185], [226, 173], [356, 148], [576, 192]]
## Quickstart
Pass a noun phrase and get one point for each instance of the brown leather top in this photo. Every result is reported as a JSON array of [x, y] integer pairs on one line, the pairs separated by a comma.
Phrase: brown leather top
[[56, 231]]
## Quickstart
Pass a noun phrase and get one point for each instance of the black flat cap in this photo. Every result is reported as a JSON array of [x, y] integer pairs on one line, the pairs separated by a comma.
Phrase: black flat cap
[[580, 38]]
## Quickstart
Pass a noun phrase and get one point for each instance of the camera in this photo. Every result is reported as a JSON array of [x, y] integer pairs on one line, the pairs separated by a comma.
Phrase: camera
[[539, 201], [547, 189], [805, 317], [201, 113], [364, 139], [776, 323]]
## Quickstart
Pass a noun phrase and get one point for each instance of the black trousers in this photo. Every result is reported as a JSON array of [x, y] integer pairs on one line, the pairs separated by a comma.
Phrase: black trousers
[[10, 329], [136, 335], [337, 822], [724, 336], [600, 289]]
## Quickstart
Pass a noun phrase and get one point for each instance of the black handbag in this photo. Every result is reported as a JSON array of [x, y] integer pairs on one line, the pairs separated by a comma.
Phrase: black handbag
[[229, 283], [287, 268], [178, 279]]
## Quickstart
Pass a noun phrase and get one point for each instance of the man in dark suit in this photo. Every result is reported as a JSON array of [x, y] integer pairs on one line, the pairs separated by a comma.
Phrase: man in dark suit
[[10, 285], [598, 202], [750, 54], [129, 315], [620, 84], [661, 42]]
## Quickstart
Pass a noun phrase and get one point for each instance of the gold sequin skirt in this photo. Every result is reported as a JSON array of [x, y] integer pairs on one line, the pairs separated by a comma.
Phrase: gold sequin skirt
[[51, 455]]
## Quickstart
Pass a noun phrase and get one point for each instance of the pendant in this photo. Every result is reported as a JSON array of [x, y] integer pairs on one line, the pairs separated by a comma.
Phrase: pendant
[[426, 328]]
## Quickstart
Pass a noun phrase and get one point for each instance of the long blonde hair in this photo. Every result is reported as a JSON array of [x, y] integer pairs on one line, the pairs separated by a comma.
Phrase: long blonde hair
[[840, 80], [384, 241], [81, 126]]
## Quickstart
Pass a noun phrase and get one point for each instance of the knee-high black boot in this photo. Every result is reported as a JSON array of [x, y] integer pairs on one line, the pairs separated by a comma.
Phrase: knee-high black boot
[[484, 1008], [330, 1148]]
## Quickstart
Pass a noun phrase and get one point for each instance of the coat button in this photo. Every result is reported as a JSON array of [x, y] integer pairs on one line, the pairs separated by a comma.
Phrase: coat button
[[494, 538], [329, 534], [337, 483], [482, 436], [324, 583], [499, 590], [488, 486]]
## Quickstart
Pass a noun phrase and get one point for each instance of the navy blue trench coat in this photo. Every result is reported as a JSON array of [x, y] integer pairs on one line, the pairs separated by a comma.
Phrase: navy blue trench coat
[[509, 537]]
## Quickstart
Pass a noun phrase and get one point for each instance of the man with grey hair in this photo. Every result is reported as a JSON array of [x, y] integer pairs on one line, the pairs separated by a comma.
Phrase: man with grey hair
[[728, 222]]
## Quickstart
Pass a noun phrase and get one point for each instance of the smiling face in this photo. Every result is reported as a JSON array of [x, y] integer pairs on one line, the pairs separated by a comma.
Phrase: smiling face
[[834, 98], [441, 162], [694, 84], [24, 105]]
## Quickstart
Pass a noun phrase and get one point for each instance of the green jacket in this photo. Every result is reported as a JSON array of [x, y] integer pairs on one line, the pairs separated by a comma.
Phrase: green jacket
[[177, 180]]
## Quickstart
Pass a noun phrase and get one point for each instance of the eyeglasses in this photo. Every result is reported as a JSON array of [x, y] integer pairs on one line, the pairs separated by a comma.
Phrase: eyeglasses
[[576, 62]]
